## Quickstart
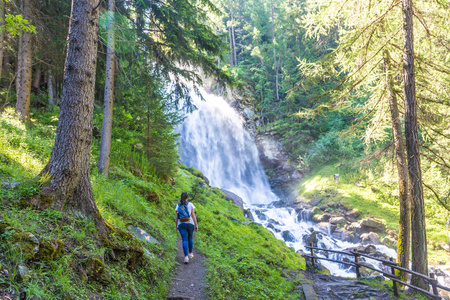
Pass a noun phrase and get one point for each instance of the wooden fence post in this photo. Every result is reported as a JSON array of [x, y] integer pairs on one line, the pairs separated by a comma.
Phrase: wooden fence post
[[312, 258], [358, 273], [433, 283], [394, 283]]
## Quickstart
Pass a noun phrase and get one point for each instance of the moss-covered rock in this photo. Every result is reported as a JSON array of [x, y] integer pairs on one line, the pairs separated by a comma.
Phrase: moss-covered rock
[[96, 269], [49, 250]]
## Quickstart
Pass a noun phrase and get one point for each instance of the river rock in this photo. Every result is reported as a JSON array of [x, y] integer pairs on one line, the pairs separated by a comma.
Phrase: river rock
[[288, 236], [370, 238], [343, 235], [260, 215], [371, 224], [324, 227], [230, 196], [248, 215], [354, 214], [337, 220], [325, 217], [312, 238], [390, 242]]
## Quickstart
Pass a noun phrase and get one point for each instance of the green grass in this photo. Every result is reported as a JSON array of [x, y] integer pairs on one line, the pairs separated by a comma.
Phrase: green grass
[[244, 261]]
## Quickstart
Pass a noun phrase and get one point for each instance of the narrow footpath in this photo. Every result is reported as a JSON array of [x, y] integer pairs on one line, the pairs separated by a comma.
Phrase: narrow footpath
[[189, 280]]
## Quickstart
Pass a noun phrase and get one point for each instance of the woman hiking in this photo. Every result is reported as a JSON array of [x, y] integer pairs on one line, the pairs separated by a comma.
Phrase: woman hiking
[[186, 223]]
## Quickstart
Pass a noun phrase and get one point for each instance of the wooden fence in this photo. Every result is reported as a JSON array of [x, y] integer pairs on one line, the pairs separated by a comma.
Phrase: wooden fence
[[389, 263]]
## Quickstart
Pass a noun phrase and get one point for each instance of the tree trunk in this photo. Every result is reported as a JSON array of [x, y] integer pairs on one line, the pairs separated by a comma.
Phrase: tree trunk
[[37, 79], [70, 189], [231, 47], [51, 92], [19, 65], [105, 145], [404, 234], [419, 238], [2, 34], [274, 53], [234, 40], [24, 73]]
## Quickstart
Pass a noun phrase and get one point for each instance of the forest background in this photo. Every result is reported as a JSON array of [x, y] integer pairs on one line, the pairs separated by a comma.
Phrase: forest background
[[315, 73]]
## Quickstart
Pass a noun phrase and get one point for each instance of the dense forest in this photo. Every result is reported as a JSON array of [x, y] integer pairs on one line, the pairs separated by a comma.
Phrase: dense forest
[[91, 94]]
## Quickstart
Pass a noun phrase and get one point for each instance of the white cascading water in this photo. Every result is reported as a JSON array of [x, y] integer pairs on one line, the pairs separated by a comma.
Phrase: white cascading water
[[213, 139]]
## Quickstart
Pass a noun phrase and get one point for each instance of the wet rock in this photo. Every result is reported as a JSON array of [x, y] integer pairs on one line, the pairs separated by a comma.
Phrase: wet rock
[[311, 239], [230, 196], [343, 235], [316, 201], [277, 204], [271, 226], [248, 215], [260, 215], [274, 222], [337, 220], [325, 217], [324, 227], [288, 236], [370, 238], [141, 235], [369, 249]]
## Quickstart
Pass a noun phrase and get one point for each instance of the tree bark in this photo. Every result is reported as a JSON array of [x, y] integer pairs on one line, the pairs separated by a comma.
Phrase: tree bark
[[404, 234], [2, 33], [51, 92], [274, 53], [418, 228], [24, 73], [37, 79], [231, 47], [105, 145], [69, 189]]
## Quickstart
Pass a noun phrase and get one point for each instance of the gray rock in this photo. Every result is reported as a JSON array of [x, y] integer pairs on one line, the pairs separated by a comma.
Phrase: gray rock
[[354, 214], [337, 220], [230, 196], [370, 238], [141, 235], [248, 215], [316, 201], [372, 224], [288, 236], [325, 217], [260, 215], [343, 235], [22, 273]]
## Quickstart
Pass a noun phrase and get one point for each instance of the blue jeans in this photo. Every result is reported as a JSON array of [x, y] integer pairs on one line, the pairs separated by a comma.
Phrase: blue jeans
[[187, 235]]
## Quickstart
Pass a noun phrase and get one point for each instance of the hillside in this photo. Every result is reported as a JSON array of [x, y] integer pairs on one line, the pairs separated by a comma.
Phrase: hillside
[[50, 255]]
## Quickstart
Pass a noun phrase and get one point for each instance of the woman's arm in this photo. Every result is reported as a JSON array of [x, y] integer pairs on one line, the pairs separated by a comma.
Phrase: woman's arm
[[195, 219]]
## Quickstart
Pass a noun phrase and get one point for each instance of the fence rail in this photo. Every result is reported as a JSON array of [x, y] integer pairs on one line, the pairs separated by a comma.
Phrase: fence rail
[[388, 263]]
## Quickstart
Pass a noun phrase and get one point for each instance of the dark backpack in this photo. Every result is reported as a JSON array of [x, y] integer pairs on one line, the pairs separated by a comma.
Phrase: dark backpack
[[183, 214]]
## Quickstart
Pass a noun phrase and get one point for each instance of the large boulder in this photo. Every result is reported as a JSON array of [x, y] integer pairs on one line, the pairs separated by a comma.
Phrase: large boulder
[[288, 236], [325, 217], [337, 220], [371, 224], [343, 235], [230, 196]]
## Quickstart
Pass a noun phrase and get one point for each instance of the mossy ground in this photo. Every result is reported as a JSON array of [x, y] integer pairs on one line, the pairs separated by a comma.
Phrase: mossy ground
[[373, 190], [244, 260]]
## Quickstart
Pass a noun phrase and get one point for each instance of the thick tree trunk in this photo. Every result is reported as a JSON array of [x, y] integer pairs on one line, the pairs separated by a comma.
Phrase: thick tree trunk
[[105, 145], [70, 189], [50, 89], [2, 33], [404, 234], [274, 53], [26, 55], [418, 228]]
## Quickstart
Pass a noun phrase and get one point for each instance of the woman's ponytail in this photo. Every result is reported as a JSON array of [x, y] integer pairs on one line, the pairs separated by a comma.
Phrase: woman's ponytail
[[184, 197]]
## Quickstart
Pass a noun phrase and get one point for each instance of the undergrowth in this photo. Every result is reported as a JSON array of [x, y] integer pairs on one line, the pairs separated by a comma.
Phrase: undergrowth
[[244, 261]]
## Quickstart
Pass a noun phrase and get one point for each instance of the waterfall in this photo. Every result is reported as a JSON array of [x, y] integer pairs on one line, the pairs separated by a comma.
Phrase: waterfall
[[213, 139]]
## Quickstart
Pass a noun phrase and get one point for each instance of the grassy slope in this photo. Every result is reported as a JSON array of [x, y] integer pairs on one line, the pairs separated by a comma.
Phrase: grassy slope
[[244, 261], [374, 192]]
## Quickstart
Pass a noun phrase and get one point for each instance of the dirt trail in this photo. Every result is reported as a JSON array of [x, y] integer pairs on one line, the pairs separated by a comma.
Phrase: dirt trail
[[189, 280]]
